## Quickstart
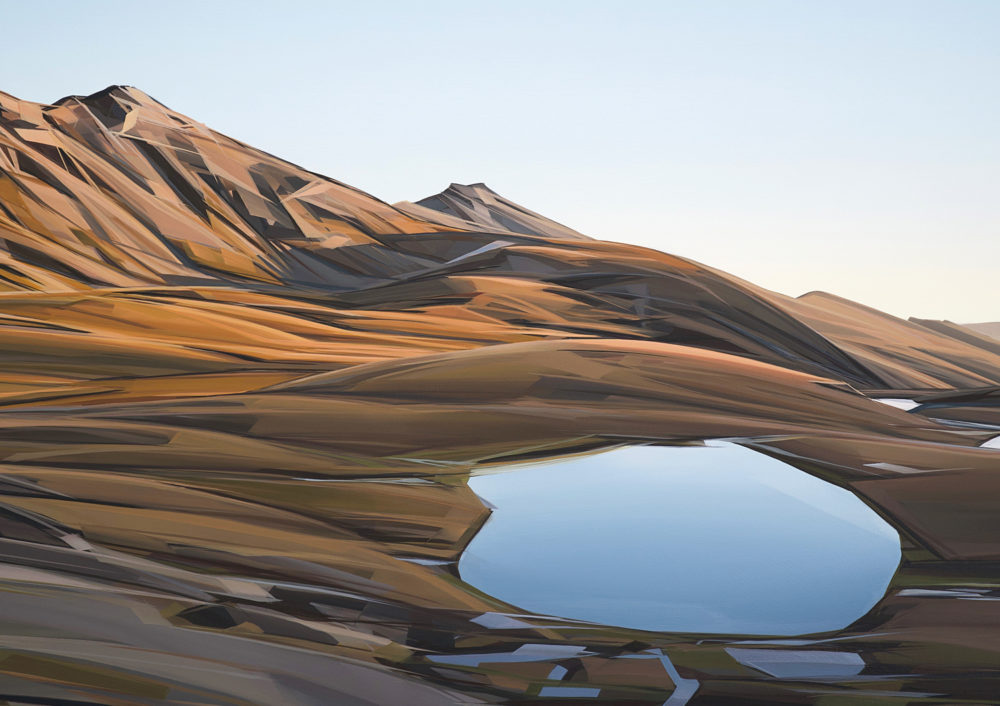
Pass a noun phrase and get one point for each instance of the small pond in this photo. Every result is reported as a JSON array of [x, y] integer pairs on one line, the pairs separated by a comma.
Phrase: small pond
[[715, 539]]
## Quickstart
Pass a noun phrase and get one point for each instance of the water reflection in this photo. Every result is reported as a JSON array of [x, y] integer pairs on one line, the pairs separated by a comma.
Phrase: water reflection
[[718, 539], [898, 402]]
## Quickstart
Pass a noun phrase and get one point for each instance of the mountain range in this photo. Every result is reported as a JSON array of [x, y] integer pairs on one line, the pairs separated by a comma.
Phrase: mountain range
[[239, 403], [114, 195]]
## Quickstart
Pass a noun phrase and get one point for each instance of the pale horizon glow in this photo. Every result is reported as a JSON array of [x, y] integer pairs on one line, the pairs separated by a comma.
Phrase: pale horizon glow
[[850, 147]]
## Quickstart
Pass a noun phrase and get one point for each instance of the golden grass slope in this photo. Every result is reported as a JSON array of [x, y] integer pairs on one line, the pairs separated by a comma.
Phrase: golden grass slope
[[116, 191]]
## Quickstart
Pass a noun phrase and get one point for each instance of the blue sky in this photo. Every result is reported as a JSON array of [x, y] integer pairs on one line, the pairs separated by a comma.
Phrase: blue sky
[[849, 146]]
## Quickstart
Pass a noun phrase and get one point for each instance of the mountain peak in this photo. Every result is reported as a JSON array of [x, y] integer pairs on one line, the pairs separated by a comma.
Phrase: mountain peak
[[477, 186], [478, 207], [116, 91], [115, 189]]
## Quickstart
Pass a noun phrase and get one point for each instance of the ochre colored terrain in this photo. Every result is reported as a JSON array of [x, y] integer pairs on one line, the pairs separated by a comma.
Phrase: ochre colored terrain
[[240, 401]]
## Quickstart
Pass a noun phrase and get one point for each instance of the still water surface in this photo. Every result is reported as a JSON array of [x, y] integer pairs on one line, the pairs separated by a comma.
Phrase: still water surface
[[717, 539]]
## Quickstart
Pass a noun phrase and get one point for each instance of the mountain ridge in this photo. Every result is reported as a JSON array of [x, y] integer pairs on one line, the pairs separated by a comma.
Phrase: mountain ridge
[[478, 207], [986, 328], [240, 405], [116, 190]]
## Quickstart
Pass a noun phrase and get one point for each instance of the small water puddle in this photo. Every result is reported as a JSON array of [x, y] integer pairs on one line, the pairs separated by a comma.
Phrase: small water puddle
[[898, 402], [717, 539]]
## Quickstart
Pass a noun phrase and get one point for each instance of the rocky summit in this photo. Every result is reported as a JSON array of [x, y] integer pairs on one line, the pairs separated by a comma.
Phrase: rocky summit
[[241, 402]]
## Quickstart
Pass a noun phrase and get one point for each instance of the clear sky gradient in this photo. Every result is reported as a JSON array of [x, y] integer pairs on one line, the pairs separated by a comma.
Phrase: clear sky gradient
[[849, 146]]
